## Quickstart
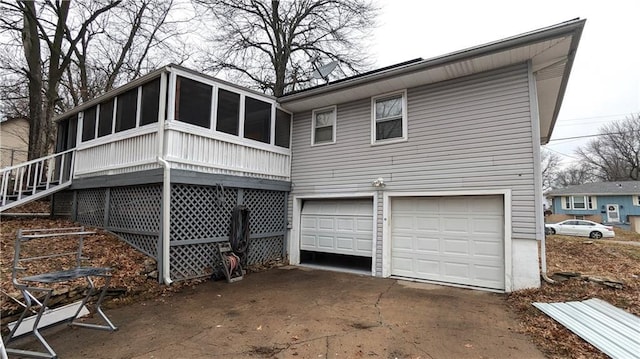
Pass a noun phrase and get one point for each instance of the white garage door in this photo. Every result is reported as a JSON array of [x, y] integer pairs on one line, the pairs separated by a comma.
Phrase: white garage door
[[450, 239], [337, 226]]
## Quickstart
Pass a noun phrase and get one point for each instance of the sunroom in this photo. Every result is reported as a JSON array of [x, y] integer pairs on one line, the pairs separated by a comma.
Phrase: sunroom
[[163, 161]]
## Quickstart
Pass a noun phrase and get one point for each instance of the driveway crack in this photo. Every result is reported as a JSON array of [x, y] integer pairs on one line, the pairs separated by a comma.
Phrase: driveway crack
[[377, 305]]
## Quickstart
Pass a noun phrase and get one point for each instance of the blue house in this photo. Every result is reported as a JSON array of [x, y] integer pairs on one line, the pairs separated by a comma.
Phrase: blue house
[[615, 203]]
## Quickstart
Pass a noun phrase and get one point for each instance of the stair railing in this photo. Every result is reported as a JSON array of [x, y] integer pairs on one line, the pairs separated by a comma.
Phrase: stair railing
[[28, 178]]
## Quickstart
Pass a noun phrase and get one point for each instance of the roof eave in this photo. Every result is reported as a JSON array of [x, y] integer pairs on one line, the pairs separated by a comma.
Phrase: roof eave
[[573, 26]]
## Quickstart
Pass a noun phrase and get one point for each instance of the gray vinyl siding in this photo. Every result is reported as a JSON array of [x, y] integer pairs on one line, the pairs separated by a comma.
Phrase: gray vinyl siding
[[469, 134]]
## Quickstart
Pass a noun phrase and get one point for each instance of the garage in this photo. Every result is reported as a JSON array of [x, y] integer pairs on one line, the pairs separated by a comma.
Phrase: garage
[[453, 239], [342, 229]]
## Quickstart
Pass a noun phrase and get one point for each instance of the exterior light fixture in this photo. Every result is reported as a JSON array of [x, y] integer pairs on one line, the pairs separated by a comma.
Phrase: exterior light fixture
[[378, 182]]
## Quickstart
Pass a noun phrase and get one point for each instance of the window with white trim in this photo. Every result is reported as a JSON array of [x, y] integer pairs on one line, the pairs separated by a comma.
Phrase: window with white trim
[[579, 202], [323, 127], [389, 117], [636, 200]]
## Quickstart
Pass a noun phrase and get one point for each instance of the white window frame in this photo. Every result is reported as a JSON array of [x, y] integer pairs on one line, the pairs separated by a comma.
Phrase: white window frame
[[402, 93], [636, 200], [334, 111], [590, 203]]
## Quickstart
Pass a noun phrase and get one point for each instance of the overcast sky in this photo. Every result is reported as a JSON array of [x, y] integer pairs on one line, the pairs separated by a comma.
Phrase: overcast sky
[[604, 85]]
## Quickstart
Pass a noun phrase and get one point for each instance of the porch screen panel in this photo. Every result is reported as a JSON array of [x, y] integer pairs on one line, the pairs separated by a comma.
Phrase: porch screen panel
[[89, 124], [257, 120], [193, 102], [228, 113], [126, 110], [283, 129], [106, 118], [150, 102]]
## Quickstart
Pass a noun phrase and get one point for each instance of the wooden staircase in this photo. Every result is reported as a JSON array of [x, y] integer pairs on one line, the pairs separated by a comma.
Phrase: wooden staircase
[[35, 179]]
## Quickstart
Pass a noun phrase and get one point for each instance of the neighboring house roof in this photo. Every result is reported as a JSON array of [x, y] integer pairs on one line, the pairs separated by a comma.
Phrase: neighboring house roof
[[550, 52], [600, 188]]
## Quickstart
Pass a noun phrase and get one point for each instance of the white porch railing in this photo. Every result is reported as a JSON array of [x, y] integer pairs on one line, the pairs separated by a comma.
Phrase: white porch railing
[[121, 153], [185, 148], [35, 179], [189, 149]]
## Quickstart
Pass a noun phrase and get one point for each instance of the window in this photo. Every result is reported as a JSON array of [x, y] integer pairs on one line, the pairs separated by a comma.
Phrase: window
[[323, 128], [228, 112], [636, 200], [89, 124], [257, 120], [389, 117], [193, 102], [106, 118], [150, 102], [283, 129], [579, 202], [127, 110]]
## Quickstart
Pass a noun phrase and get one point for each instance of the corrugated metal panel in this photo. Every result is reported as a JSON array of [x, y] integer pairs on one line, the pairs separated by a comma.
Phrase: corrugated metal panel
[[608, 328], [464, 134]]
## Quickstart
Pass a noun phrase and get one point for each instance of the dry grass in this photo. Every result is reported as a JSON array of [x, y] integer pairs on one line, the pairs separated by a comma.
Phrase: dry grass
[[620, 262]]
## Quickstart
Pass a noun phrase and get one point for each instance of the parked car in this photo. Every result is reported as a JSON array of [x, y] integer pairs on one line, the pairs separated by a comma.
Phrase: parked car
[[580, 227]]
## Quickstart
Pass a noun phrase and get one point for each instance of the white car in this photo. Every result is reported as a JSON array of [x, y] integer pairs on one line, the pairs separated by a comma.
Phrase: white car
[[580, 227]]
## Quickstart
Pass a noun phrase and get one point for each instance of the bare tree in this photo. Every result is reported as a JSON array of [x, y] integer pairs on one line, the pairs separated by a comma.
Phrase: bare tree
[[74, 51], [134, 38], [575, 174], [272, 45], [615, 154], [550, 162], [45, 25]]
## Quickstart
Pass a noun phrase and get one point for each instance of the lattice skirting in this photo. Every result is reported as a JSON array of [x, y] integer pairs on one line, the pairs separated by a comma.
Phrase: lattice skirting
[[200, 217], [90, 206], [147, 244], [263, 250]]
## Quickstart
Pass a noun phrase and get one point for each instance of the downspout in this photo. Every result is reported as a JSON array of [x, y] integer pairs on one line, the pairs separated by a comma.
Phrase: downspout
[[166, 182], [535, 126], [166, 209]]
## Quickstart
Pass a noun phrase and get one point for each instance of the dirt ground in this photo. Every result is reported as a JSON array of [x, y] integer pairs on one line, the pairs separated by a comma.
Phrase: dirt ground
[[291, 312]]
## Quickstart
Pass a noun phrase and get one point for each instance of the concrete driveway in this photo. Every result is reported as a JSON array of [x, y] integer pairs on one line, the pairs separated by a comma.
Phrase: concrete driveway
[[304, 313]]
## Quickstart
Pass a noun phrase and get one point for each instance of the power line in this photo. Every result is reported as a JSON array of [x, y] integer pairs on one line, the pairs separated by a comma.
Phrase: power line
[[587, 136], [597, 117], [560, 153]]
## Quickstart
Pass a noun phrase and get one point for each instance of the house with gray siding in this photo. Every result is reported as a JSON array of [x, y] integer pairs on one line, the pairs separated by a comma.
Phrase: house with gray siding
[[427, 170], [613, 203]]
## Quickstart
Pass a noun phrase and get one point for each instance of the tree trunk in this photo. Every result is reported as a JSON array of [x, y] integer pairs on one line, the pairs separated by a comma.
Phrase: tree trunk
[[31, 45]]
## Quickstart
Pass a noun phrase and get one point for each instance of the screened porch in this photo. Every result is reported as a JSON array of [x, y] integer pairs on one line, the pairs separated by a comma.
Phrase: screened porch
[[177, 116]]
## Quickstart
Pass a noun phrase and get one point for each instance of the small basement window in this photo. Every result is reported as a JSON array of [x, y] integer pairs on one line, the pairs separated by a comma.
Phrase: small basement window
[[150, 102], [89, 124], [389, 117], [257, 120], [228, 113], [283, 129], [127, 110], [106, 118], [193, 102]]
